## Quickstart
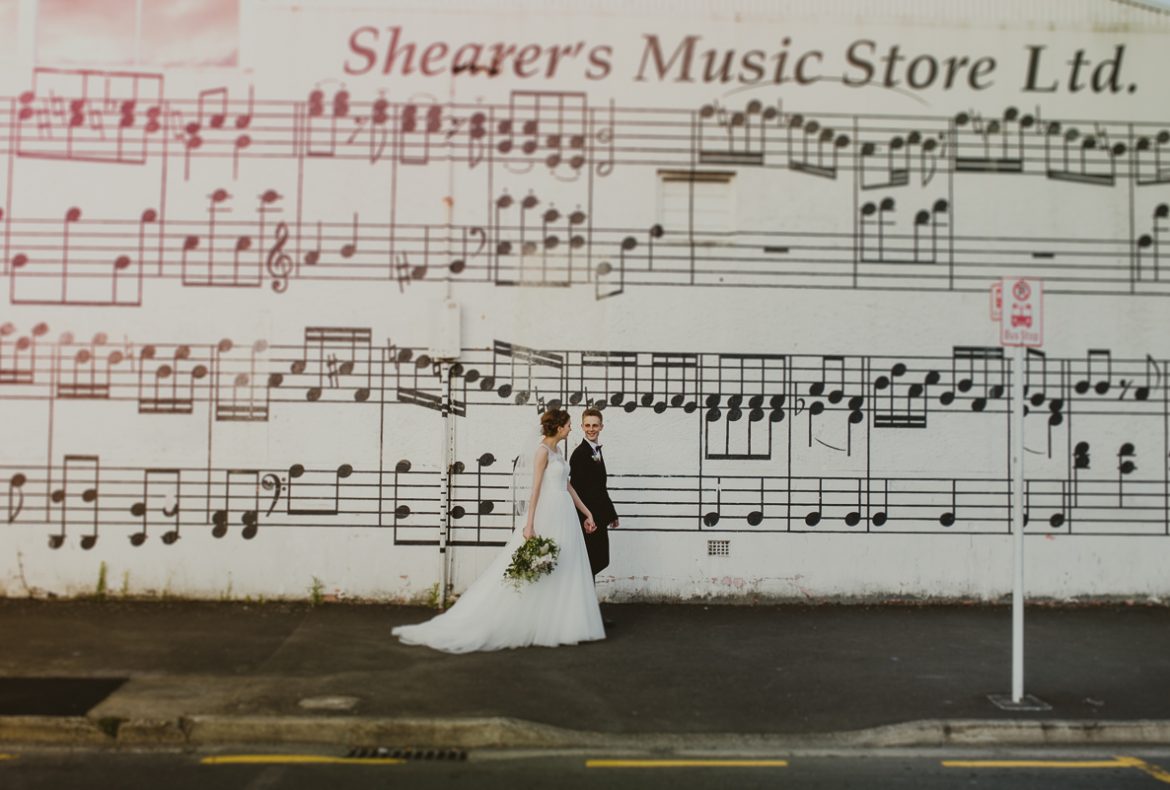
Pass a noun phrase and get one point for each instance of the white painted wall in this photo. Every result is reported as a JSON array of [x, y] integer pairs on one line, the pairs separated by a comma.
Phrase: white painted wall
[[820, 299]]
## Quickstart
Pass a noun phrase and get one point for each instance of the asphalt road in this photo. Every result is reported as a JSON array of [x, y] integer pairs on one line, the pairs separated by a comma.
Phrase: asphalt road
[[693, 670], [260, 770]]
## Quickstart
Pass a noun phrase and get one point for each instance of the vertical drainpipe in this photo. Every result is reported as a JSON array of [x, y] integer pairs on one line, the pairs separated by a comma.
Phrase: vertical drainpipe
[[445, 484], [451, 347]]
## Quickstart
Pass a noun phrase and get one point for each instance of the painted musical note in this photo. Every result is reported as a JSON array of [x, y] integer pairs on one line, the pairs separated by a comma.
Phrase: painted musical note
[[241, 500], [21, 364], [401, 508], [78, 499], [298, 504], [16, 496], [160, 505], [238, 401]]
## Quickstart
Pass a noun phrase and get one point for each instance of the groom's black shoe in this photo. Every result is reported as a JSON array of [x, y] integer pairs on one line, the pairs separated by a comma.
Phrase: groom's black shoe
[[607, 622]]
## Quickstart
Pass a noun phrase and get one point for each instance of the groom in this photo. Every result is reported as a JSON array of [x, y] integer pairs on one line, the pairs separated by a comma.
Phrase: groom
[[587, 465]]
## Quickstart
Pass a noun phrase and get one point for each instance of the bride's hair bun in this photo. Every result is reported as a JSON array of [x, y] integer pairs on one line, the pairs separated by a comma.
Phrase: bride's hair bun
[[552, 421]]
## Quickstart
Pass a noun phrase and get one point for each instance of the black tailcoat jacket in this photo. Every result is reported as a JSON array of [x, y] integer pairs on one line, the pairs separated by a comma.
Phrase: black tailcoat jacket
[[588, 479]]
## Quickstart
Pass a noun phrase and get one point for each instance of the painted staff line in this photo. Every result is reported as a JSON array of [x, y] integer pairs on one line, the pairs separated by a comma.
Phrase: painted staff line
[[296, 759]]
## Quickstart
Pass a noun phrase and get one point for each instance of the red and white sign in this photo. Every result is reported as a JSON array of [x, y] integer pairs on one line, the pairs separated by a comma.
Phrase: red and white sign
[[1021, 319], [997, 301]]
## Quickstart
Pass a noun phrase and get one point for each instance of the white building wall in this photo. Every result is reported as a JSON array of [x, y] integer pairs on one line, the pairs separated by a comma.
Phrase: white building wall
[[235, 238]]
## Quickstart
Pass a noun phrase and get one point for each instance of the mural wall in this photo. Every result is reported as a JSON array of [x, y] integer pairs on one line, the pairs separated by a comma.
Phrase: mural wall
[[286, 286]]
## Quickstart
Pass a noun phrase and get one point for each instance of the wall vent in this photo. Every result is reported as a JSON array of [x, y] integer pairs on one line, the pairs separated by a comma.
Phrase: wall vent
[[718, 548]]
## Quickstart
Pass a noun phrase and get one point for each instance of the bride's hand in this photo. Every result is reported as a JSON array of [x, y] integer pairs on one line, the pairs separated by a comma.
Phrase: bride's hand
[[529, 532], [590, 525]]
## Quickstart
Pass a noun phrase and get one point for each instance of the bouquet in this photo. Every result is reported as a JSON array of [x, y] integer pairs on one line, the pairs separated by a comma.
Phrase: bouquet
[[534, 558]]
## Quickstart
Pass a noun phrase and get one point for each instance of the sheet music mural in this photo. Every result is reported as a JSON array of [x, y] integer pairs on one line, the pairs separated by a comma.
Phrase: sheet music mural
[[765, 252]]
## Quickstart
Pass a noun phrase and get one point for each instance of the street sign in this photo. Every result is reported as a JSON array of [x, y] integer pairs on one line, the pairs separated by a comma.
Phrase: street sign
[[1018, 304], [1021, 317]]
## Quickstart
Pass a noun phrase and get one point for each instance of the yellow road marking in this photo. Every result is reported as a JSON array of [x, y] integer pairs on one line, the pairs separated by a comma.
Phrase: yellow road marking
[[296, 759], [1115, 763], [686, 763], [1157, 772]]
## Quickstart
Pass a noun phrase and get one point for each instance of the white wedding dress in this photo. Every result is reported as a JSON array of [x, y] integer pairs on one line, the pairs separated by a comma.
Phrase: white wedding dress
[[558, 609]]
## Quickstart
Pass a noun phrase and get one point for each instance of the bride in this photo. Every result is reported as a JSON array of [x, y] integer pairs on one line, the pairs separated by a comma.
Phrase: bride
[[557, 609]]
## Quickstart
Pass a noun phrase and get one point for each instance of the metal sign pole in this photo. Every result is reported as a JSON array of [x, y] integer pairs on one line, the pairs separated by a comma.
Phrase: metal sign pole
[[1017, 303], [1017, 431]]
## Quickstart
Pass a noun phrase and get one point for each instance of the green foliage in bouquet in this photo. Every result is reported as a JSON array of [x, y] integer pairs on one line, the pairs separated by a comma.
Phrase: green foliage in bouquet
[[534, 558]]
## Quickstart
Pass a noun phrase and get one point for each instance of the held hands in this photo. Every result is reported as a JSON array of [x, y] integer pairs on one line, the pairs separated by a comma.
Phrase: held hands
[[590, 525]]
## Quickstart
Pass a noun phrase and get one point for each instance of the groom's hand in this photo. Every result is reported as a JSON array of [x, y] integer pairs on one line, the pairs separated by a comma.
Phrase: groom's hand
[[617, 522]]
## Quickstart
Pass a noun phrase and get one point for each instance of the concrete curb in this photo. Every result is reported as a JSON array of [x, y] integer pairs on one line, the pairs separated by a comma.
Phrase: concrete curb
[[978, 732], [68, 730], [505, 733], [470, 733]]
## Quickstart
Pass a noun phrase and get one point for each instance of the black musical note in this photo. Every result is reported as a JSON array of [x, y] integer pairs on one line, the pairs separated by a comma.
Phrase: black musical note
[[161, 494], [813, 517], [880, 516], [948, 517], [1081, 460], [711, 517], [1125, 467], [301, 505], [78, 499], [401, 509], [241, 495], [16, 496], [605, 272], [1102, 384], [459, 265], [819, 147], [853, 517], [458, 511], [1153, 378], [756, 517], [484, 506], [735, 142]]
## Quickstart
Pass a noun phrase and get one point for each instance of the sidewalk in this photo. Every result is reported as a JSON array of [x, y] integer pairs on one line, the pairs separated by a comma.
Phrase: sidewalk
[[669, 676]]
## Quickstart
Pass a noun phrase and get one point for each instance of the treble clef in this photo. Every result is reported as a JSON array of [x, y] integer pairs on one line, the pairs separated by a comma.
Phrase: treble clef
[[278, 262]]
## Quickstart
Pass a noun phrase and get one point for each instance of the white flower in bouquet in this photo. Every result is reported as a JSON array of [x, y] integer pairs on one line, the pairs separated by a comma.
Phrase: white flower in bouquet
[[534, 558]]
